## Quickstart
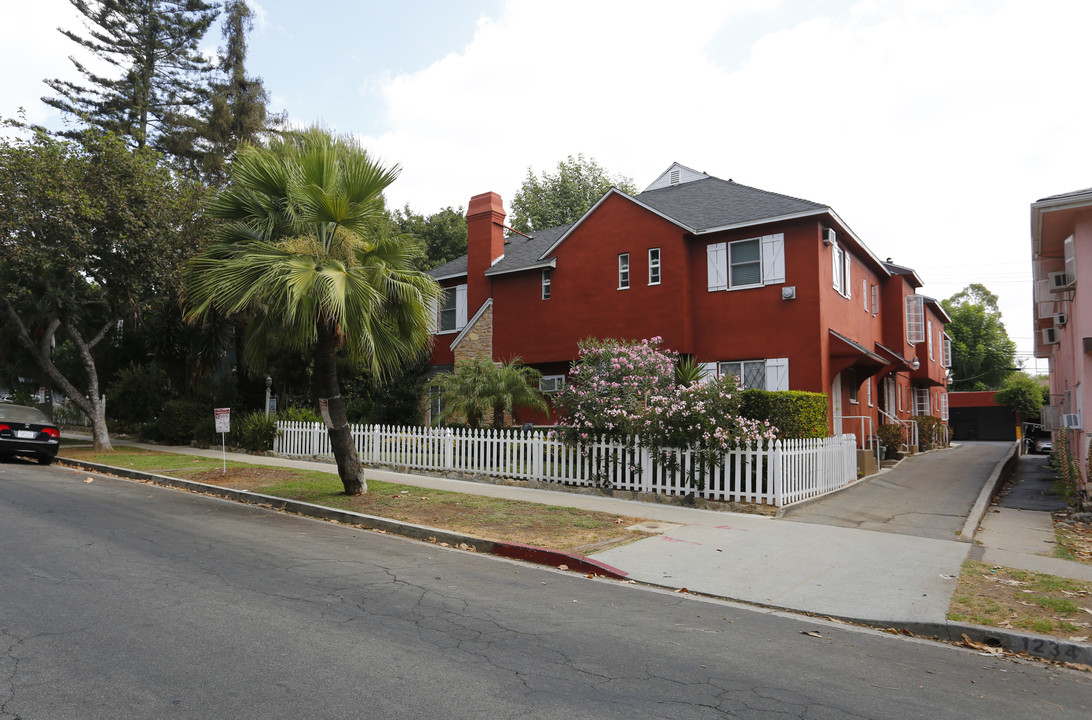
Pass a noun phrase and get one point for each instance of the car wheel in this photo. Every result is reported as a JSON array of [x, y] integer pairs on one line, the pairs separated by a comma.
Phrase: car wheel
[[44, 459]]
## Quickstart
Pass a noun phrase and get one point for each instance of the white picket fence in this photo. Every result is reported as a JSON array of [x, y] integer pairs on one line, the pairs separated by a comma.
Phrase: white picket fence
[[778, 473]]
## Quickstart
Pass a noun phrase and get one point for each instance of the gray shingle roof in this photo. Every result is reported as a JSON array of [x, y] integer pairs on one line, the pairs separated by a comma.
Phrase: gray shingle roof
[[700, 205], [521, 252], [455, 267], [713, 203]]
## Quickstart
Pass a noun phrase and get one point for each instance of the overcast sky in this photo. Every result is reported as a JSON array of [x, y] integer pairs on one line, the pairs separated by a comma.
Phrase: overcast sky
[[929, 126]]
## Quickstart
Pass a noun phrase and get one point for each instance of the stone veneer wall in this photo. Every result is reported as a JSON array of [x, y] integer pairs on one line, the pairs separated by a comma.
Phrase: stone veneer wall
[[478, 340]]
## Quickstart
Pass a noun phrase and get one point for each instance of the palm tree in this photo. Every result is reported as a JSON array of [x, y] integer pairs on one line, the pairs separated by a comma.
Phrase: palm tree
[[516, 387], [479, 386], [302, 249], [466, 392]]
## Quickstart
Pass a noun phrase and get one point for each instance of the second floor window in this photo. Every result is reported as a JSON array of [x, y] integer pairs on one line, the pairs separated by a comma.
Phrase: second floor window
[[451, 310], [745, 263], [623, 271], [546, 284], [841, 270], [654, 266]]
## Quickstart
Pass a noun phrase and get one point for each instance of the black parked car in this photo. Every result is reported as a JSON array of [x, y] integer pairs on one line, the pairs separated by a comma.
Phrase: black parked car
[[28, 432]]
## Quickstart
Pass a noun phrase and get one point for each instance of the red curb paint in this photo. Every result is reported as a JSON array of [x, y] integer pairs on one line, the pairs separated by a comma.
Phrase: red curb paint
[[729, 527], [555, 558], [671, 539]]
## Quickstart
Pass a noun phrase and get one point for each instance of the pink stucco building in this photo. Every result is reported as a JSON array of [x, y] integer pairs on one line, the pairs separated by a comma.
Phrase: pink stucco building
[[1061, 247]]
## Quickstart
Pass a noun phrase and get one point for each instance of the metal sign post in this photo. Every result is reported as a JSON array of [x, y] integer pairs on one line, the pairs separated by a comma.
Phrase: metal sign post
[[223, 426]]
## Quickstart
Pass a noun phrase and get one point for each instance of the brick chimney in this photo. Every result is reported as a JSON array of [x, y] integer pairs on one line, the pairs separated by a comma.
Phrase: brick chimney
[[485, 244]]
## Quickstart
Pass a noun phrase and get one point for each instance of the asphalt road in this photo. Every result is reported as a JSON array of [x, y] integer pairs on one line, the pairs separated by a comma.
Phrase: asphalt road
[[121, 600], [926, 496]]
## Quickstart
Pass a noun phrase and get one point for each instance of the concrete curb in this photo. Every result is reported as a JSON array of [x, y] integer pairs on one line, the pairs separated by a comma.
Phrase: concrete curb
[[1044, 647], [989, 492], [1040, 646], [516, 551]]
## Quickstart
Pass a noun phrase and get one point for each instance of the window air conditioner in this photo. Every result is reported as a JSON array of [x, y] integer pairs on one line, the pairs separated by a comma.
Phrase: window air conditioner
[[1050, 336], [1060, 319], [1059, 281], [829, 236], [1071, 421]]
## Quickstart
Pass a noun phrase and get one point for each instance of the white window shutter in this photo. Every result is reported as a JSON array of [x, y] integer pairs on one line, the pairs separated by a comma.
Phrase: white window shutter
[[434, 315], [777, 374], [773, 259], [717, 262], [460, 307], [849, 281]]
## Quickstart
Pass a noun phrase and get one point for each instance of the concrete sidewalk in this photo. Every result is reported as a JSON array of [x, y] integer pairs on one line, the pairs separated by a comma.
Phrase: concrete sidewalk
[[880, 578], [1018, 532]]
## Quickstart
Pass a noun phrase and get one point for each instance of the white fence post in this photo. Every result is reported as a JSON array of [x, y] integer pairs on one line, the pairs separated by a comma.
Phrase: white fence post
[[781, 472]]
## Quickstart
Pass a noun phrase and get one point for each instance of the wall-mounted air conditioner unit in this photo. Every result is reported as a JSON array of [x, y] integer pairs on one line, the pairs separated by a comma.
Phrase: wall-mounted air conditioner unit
[[1071, 421], [1050, 336], [1060, 319], [1059, 281], [829, 236]]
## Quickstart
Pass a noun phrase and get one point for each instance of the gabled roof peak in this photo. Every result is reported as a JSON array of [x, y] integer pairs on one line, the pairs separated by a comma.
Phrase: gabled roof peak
[[677, 174]]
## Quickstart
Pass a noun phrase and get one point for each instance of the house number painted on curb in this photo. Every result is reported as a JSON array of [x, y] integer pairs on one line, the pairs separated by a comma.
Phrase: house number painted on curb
[[1045, 648]]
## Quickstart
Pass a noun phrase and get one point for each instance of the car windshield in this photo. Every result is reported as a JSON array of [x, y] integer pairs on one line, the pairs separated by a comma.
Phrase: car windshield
[[20, 413]]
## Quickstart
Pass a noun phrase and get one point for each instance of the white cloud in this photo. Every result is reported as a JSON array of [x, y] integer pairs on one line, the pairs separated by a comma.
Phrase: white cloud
[[929, 127]]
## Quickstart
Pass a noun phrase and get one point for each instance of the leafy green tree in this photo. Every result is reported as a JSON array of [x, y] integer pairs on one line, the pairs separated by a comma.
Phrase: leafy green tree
[[480, 386], [90, 233], [443, 233], [563, 197], [983, 355], [301, 248], [163, 75], [1023, 394]]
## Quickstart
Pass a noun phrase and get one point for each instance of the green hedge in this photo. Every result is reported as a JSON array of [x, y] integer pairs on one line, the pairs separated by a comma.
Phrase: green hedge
[[176, 422], [253, 432], [794, 413]]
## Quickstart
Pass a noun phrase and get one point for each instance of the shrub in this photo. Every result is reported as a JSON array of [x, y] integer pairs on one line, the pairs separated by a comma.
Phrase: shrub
[[890, 436], [253, 432], [138, 394], [794, 413], [930, 432], [176, 422], [296, 413], [204, 433]]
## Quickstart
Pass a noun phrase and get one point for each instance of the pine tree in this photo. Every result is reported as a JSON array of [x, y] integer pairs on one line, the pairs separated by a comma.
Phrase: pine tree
[[237, 111], [162, 74]]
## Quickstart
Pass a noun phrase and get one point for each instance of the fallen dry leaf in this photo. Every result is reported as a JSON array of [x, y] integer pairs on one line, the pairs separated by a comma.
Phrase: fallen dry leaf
[[981, 647], [562, 567], [813, 633], [89, 480]]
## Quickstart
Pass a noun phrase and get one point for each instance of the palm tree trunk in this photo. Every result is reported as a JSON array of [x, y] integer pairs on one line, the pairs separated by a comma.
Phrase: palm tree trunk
[[341, 439]]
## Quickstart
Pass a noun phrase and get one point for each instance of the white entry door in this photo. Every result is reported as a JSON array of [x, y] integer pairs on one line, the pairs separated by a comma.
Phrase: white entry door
[[889, 390], [836, 400]]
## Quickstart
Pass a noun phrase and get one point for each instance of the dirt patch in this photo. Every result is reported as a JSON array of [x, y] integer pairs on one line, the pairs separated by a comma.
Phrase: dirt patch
[[1073, 533], [1008, 598], [245, 478], [558, 528]]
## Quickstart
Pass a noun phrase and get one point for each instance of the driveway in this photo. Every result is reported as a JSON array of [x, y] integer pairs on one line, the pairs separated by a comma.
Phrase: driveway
[[927, 495]]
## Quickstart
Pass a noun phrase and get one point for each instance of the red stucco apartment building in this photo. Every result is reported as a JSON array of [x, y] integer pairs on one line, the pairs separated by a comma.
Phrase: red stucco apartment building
[[776, 290]]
